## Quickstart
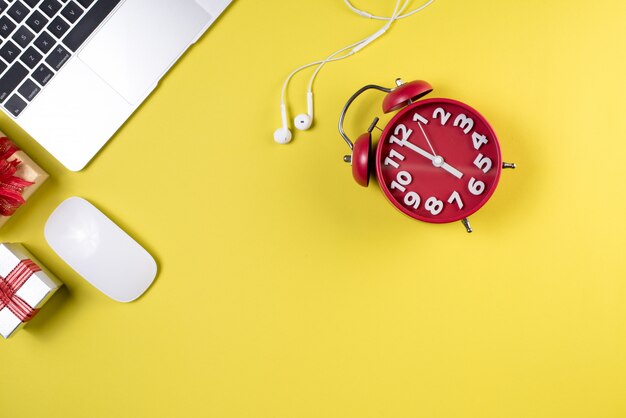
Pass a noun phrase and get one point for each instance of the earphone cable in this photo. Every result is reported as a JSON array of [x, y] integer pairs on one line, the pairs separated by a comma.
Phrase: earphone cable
[[303, 121], [371, 16], [331, 57], [396, 13]]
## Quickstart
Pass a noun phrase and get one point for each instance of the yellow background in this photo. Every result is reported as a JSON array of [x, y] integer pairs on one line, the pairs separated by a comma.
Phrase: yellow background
[[286, 290]]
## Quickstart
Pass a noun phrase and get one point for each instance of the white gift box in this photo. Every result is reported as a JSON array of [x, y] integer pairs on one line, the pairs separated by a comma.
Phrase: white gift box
[[17, 265]]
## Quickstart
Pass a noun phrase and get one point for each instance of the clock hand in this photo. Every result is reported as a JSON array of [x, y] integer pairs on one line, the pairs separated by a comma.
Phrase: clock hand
[[427, 140], [418, 150], [437, 160], [456, 173]]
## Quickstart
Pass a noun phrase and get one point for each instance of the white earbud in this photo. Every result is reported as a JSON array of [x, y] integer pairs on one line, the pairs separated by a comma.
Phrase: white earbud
[[282, 135], [304, 120]]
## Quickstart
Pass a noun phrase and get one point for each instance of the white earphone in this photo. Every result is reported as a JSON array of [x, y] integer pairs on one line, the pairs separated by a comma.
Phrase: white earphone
[[304, 121]]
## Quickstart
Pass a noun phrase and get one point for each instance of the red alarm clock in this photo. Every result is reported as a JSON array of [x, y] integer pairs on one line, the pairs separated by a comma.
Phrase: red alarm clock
[[437, 160]]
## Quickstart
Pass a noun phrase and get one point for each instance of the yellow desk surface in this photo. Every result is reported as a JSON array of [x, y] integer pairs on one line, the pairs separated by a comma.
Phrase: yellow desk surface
[[286, 290]]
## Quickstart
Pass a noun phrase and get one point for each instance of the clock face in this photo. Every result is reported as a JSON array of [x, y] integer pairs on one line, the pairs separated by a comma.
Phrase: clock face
[[438, 160]]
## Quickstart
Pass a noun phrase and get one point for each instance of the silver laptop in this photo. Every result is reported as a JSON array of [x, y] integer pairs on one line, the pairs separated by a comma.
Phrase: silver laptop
[[73, 71]]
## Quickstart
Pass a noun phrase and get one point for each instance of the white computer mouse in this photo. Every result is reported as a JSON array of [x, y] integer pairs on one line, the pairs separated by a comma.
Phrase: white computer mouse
[[99, 250]]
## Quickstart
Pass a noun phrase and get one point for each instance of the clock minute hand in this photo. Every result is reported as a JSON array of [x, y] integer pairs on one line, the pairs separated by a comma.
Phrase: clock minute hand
[[435, 159], [418, 150]]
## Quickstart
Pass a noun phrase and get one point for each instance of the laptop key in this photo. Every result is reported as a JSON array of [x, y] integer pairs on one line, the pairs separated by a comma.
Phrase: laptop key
[[58, 27], [15, 105], [9, 51], [42, 74], [85, 3], [31, 3], [3, 6], [72, 12], [18, 12], [29, 90], [36, 21], [6, 27], [31, 57], [44, 42], [50, 7], [11, 79], [3, 67], [58, 57], [23, 36], [90, 21]]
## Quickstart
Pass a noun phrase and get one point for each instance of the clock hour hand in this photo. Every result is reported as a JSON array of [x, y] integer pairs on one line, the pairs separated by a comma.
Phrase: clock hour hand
[[437, 160], [456, 173]]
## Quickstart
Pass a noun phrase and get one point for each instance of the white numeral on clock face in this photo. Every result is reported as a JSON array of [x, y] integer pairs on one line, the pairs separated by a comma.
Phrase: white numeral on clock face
[[402, 179], [476, 187], [394, 154], [419, 118], [456, 197], [479, 140], [433, 205], [440, 113], [403, 132], [483, 163], [464, 123], [412, 199]]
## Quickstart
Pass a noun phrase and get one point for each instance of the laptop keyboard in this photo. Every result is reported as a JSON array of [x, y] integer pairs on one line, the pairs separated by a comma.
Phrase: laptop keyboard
[[37, 39]]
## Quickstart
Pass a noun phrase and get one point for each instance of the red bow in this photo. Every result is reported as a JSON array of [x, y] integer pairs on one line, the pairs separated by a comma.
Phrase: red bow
[[11, 284], [11, 187]]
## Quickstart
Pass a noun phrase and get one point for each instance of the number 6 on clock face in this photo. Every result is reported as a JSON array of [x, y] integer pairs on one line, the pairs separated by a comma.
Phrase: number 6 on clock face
[[438, 160]]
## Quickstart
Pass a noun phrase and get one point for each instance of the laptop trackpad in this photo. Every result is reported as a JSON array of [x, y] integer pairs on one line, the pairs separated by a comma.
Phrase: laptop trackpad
[[140, 41]]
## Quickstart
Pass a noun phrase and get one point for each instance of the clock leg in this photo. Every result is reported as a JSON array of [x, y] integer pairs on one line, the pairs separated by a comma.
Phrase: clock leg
[[467, 225], [508, 165]]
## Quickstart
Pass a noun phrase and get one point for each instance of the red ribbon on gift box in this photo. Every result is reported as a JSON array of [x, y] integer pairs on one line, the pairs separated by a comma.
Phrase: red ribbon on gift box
[[11, 186], [11, 284]]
